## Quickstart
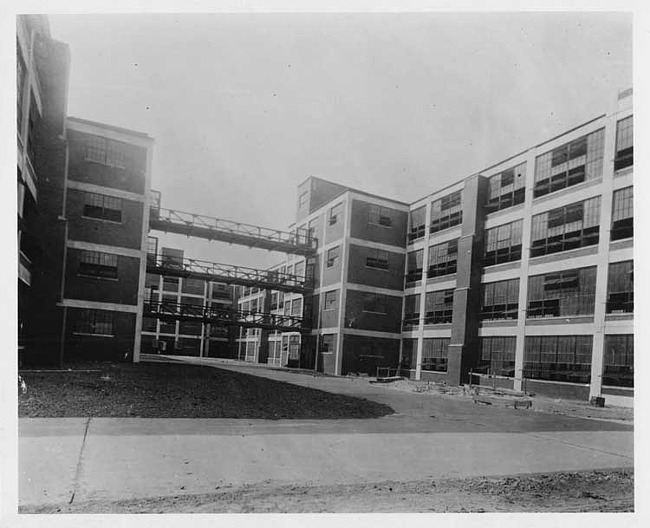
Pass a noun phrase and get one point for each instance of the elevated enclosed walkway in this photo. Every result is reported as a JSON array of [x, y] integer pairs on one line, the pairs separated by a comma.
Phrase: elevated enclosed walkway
[[227, 273], [223, 316], [210, 228]]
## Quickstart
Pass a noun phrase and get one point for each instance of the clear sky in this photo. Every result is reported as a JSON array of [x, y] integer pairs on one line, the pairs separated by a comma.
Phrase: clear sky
[[243, 107]]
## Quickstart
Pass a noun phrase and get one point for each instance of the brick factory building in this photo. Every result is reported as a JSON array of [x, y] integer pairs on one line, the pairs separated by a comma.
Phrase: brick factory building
[[520, 275]]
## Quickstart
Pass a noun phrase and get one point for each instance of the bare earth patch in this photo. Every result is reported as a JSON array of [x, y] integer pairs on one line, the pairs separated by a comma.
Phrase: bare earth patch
[[590, 491], [180, 391]]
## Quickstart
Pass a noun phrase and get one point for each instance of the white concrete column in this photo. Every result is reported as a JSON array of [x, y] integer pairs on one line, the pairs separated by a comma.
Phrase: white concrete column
[[422, 290], [526, 236], [345, 251], [602, 269]]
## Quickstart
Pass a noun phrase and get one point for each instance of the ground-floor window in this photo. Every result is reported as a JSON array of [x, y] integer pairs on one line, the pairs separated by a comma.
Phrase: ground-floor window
[[558, 358], [619, 360], [409, 353], [498, 355], [434, 354]]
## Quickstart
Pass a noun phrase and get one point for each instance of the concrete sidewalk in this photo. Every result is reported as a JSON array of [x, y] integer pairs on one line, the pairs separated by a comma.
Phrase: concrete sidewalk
[[78, 459], [102, 458]]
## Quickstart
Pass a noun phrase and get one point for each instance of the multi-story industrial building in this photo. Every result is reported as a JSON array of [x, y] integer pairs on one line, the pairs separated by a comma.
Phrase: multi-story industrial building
[[521, 273]]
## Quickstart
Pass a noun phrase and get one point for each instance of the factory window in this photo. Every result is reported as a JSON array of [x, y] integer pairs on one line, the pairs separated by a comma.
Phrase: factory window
[[442, 259], [296, 307], [507, 188], [498, 356], [167, 327], [106, 152], [274, 301], [312, 227], [300, 270], [414, 263], [328, 342], [417, 223], [622, 214], [561, 294], [31, 131], [409, 353], [21, 74], [620, 287], [102, 207], [411, 311], [287, 307], [374, 303], [503, 243], [624, 144], [254, 305], [189, 328], [194, 286], [302, 200], [377, 259], [573, 226], [94, 322], [446, 212], [246, 307], [558, 358], [336, 213], [96, 264], [572, 163], [439, 307], [500, 300], [619, 360], [331, 300], [379, 216], [434, 354], [333, 257], [170, 284]]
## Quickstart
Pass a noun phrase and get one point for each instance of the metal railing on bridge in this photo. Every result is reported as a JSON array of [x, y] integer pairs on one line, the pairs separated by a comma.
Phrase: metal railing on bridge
[[298, 242], [165, 310], [226, 273]]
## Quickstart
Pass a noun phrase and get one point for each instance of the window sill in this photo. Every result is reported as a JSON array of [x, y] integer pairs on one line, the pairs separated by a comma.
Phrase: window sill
[[101, 220], [92, 335], [374, 224], [108, 279]]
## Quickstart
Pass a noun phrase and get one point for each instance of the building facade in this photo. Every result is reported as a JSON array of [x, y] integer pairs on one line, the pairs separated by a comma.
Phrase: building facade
[[519, 276]]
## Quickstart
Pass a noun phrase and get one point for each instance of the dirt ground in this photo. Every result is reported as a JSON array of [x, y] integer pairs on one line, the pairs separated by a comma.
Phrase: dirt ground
[[590, 491], [147, 390]]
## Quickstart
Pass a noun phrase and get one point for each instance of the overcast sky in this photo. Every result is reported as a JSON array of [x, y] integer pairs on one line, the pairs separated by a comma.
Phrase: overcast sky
[[245, 107]]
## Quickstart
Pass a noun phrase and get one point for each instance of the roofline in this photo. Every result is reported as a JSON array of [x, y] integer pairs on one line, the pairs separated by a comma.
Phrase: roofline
[[358, 191], [512, 157], [122, 130]]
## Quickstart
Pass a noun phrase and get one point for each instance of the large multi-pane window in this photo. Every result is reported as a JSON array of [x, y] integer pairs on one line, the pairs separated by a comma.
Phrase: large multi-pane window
[[21, 74], [507, 188], [333, 257], [414, 263], [619, 360], [374, 303], [417, 223], [302, 200], [503, 243], [102, 207], [572, 163], [561, 294], [312, 227], [409, 353], [194, 286], [97, 264], [498, 355], [377, 259], [620, 287], [379, 216], [94, 322], [622, 214], [434, 354], [439, 307], [500, 300], [411, 311], [336, 213], [296, 307], [106, 152], [624, 143], [331, 300], [558, 358], [573, 226], [446, 212], [442, 259]]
